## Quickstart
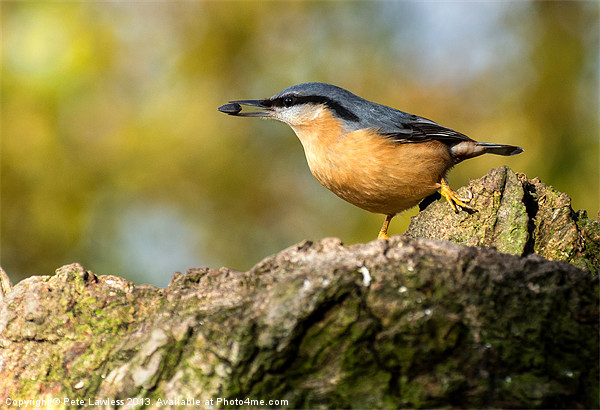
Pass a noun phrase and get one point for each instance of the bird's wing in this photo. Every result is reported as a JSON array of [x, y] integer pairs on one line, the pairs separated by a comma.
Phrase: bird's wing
[[413, 128]]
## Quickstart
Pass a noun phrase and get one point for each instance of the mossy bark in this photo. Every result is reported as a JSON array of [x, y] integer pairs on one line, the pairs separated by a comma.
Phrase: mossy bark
[[411, 322], [516, 216]]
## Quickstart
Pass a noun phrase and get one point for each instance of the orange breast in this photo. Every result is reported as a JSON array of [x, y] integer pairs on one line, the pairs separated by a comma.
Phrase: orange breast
[[371, 171]]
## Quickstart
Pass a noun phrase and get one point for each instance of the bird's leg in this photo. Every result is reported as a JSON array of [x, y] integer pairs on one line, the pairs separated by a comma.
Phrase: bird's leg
[[453, 199], [383, 232]]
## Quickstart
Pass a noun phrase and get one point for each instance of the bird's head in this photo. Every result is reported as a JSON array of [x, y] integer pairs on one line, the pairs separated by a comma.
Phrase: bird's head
[[301, 104]]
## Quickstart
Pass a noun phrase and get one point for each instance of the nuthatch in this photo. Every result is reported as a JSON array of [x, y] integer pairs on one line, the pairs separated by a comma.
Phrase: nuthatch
[[378, 158]]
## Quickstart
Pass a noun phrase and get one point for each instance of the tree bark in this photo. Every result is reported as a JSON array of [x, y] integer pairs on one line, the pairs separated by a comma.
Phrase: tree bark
[[516, 216], [487, 321]]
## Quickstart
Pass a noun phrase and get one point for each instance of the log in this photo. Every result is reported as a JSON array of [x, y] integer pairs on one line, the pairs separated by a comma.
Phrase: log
[[497, 308]]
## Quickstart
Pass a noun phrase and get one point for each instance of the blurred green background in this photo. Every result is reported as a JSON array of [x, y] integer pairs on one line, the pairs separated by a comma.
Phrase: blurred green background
[[113, 153]]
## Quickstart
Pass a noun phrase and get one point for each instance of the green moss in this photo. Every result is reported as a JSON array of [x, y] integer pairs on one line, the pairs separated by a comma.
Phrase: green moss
[[590, 231]]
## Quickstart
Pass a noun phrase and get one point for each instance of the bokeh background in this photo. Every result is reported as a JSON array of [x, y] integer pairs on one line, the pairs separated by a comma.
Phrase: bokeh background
[[113, 153]]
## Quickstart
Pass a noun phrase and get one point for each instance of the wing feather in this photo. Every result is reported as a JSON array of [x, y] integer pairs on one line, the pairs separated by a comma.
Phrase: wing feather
[[399, 126], [419, 129]]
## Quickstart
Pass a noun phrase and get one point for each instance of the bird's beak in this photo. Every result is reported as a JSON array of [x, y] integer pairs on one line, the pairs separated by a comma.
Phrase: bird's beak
[[234, 108]]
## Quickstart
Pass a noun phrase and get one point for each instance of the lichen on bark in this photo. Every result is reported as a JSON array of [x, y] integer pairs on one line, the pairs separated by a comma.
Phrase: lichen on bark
[[516, 216]]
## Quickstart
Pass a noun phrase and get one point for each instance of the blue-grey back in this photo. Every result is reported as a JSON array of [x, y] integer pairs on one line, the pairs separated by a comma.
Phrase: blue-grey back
[[398, 125]]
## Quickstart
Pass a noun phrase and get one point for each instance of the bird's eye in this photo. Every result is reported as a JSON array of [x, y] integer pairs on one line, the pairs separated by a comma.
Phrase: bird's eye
[[288, 101]]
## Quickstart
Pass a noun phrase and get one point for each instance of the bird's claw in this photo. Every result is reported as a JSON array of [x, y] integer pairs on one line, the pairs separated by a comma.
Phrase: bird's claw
[[383, 235], [383, 232], [453, 198]]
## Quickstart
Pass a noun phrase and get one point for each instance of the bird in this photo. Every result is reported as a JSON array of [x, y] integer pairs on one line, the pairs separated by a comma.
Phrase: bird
[[375, 157]]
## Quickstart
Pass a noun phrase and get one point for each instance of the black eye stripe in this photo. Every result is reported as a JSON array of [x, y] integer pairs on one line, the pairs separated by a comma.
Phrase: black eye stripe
[[290, 100], [284, 101]]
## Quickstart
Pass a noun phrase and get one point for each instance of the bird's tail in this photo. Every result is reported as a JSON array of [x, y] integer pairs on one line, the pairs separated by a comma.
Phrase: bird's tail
[[499, 149], [470, 149]]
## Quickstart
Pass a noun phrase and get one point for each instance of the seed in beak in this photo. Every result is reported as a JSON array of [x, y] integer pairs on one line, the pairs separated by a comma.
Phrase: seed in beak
[[231, 108]]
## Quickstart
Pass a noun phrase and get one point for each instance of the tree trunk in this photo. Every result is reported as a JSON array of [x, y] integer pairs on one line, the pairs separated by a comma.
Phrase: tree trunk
[[413, 322]]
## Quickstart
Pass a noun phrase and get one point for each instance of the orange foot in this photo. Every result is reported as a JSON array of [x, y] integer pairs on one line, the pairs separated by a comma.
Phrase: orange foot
[[383, 232], [453, 199]]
